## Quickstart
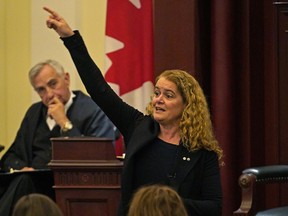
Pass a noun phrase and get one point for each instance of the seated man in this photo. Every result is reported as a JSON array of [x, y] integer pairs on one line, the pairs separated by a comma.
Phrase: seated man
[[61, 112]]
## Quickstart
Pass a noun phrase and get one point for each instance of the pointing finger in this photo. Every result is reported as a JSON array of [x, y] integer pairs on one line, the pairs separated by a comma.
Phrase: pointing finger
[[54, 13]]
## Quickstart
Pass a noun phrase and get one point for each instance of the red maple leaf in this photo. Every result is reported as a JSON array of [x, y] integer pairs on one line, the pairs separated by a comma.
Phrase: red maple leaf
[[131, 65]]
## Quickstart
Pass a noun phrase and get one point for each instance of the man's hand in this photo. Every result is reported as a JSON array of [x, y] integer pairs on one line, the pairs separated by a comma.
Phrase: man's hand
[[57, 23], [56, 111], [27, 169]]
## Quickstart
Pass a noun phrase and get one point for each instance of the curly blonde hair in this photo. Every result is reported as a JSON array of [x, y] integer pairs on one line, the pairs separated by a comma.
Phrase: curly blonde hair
[[196, 130]]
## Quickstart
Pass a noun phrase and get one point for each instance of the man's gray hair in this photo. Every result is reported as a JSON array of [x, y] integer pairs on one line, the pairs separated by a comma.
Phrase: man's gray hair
[[35, 70]]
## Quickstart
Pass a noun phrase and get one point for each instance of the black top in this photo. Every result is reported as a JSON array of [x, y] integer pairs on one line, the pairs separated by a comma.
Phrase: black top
[[155, 163]]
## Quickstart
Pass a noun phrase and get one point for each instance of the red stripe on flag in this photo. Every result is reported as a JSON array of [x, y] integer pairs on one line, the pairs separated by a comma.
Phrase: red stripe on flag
[[130, 24], [133, 64]]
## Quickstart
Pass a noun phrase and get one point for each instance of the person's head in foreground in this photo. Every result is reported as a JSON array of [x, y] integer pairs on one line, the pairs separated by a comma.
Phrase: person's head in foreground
[[157, 200], [36, 205]]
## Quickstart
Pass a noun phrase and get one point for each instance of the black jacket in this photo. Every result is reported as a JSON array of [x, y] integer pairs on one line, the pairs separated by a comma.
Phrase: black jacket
[[198, 179]]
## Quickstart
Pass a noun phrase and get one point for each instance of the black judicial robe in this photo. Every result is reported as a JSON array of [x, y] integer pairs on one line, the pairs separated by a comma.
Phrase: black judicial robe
[[88, 120]]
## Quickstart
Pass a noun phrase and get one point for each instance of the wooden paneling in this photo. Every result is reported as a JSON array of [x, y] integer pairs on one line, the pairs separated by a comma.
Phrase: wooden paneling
[[282, 75], [175, 35], [258, 59], [87, 176]]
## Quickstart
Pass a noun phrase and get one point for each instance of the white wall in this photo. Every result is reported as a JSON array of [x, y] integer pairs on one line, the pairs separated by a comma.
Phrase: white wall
[[86, 16]]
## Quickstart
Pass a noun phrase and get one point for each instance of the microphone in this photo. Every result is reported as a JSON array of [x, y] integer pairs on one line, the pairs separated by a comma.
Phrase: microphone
[[1, 147]]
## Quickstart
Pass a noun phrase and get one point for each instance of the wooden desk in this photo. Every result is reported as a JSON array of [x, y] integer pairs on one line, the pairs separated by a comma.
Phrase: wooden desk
[[87, 176]]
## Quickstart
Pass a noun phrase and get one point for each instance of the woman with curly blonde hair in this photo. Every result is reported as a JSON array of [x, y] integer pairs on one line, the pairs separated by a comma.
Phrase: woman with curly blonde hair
[[195, 126], [157, 200], [172, 145]]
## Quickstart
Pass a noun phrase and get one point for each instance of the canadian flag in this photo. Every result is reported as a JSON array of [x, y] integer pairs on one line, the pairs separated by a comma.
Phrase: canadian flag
[[129, 51]]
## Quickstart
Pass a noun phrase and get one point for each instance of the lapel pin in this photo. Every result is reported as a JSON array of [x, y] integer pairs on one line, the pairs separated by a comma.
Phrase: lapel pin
[[186, 158]]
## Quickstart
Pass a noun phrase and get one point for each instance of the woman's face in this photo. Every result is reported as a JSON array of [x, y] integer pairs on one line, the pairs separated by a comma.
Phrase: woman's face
[[167, 103]]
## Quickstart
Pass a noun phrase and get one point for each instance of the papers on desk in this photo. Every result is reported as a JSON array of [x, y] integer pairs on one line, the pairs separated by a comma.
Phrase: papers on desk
[[122, 157], [25, 171]]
